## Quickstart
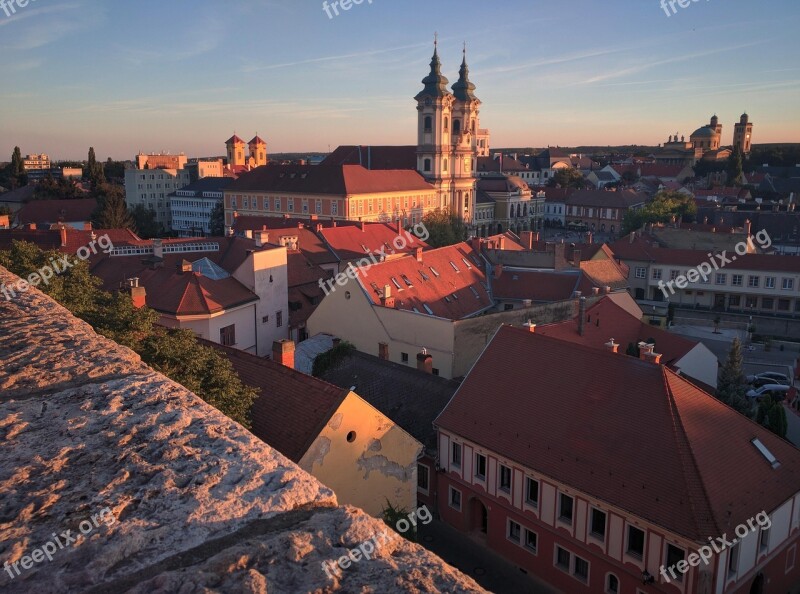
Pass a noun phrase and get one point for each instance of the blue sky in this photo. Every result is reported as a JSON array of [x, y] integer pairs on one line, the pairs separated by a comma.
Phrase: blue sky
[[183, 75]]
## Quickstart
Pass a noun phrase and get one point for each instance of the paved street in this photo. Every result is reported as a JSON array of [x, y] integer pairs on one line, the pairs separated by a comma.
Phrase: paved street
[[490, 570]]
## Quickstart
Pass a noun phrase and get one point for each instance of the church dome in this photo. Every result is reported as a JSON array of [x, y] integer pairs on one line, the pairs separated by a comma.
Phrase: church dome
[[704, 132]]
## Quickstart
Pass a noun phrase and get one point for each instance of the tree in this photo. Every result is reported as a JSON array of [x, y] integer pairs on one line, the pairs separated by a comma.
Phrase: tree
[[734, 169], [732, 385], [114, 169], [94, 170], [217, 224], [111, 212], [568, 177], [664, 208], [174, 352], [57, 189], [772, 415], [16, 171], [444, 227], [144, 221]]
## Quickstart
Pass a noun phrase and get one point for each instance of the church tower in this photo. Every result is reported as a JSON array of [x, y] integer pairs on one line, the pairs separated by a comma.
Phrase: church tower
[[258, 151], [465, 142], [235, 146], [743, 134]]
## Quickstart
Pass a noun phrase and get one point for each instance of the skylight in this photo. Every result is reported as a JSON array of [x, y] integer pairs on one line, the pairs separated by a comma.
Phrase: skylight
[[428, 309], [467, 264], [453, 264], [474, 292], [406, 280], [424, 276], [433, 270], [765, 452], [396, 284]]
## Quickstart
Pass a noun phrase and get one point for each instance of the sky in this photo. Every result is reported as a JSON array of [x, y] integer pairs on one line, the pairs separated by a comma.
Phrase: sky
[[184, 75]]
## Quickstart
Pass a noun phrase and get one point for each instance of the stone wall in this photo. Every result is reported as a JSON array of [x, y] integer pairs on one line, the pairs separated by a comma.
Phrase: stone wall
[[164, 493]]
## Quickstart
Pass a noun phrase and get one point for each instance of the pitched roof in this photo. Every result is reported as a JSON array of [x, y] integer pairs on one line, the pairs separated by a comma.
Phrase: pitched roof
[[353, 242], [606, 320], [650, 169], [449, 282], [292, 407], [677, 457], [234, 139], [305, 293], [46, 212], [409, 397], [374, 157], [538, 286], [50, 239], [494, 164], [310, 243], [605, 198]]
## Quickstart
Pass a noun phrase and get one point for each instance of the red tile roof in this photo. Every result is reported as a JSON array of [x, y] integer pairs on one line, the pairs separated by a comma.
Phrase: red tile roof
[[310, 242], [627, 432], [606, 319], [234, 139], [305, 293], [538, 286], [606, 198], [292, 409], [374, 157], [46, 212], [444, 272], [257, 140], [650, 169], [50, 239], [353, 242]]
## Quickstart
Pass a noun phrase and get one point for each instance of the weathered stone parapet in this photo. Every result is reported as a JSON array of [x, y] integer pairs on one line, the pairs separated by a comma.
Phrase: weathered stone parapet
[[198, 502]]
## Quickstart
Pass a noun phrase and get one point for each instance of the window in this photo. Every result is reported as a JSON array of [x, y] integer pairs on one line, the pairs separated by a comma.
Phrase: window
[[428, 124], [505, 478], [290, 204], [532, 492], [656, 274], [612, 584], [674, 556], [581, 570], [455, 499], [455, 456], [598, 524], [753, 281], [427, 165], [641, 272], [565, 508], [531, 540], [787, 284], [763, 540], [278, 319], [767, 303], [480, 466], [227, 335], [769, 282], [736, 281], [721, 279], [563, 558], [673, 274], [514, 531], [635, 546], [783, 304], [404, 357], [733, 560], [265, 320], [423, 477], [734, 301]]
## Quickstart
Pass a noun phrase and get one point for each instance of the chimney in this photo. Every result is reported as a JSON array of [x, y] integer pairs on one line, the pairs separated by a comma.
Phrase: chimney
[[527, 239], [158, 248], [418, 254], [576, 258], [502, 242], [646, 350], [475, 243], [633, 236], [612, 346], [386, 299], [536, 236], [261, 237], [595, 290], [283, 352], [425, 361], [399, 226], [498, 270], [361, 225], [530, 326], [137, 293], [654, 358], [63, 231], [87, 226], [606, 289], [184, 266], [748, 226], [581, 314], [383, 351], [589, 237]]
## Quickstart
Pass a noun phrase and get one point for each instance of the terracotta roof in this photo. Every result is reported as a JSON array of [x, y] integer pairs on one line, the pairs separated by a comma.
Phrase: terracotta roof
[[677, 457], [606, 319], [605, 198], [448, 271], [234, 139], [292, 408], [604, 273], [374, 157], [257, 140], [538, 286], [305, 293], [50, 239], [650, 169], [311, 244], [353, 242], [409, 397], [556, 194], [493, 164], [502, 183], [46, 212]]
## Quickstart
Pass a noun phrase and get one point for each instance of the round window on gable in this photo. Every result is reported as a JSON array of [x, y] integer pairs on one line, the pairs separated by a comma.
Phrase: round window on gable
[[351, 437]]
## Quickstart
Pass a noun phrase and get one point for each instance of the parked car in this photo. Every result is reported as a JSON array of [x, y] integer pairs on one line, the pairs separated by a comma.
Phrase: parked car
[[770, 376], [776, 391]]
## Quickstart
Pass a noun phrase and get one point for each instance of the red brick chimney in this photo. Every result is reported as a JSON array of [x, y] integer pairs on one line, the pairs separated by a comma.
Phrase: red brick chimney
[[425, 361], [475, 244], [612, 346], [645, 350], [748, 226], [137, 293], [283, 352], [501, 243], [63, 231], [319, 227], [530, 326], [418, 254], [386, 299]]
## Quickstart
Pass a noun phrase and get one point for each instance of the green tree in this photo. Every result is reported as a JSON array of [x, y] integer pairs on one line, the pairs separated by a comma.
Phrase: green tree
[[114, 169], [57, 189], [145, 224], [734, 168], [94, 170], [16, 170], [174, 352], [444, 227], [111, 212], [732, 385], [568, 177], [772, 415], [217, 224], [393, 514], [665, 207]]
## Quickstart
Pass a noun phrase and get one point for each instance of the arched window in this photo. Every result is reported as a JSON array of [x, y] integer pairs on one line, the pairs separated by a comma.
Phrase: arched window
[[446, 124], [428, 124], [456, 126], [427, 165], [612, 584], [444, 165]]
